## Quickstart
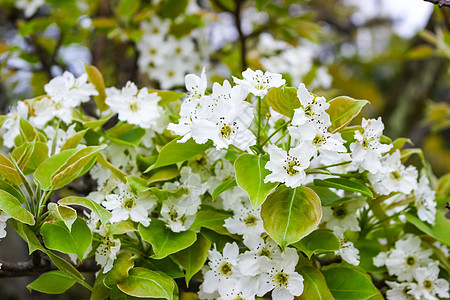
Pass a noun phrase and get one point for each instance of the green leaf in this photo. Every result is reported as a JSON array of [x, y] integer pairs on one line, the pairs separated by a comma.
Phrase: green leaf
[[223, 187], [314, 285], [22, 154], [344, 184], [58, 237], [146, 283], [318, 241], [173, 8], [399, 143], [27, 131], [122, 227], [347, 283], [342, 110], [66, 267], [73, 141], [439, 231], [163, 174], [163, 240], [27, 235], [96, 78], [175, 152], [76, 165], [11, 205], [8, 170], [53, 282], [218, 240], [165, 265], [63, 213], [193, 258], [290, 214], [283, 100], [49, 166], [167, 96], [116, 172], [211, 219], [103, 214], [119, 271], [128, 7], [10, 189], [250, 173]]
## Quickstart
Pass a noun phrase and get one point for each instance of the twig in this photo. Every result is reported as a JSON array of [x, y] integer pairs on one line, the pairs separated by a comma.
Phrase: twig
[[440, 3], [242, 37]]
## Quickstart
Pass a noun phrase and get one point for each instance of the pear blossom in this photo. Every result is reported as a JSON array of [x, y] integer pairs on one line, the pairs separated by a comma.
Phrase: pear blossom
[[393, 176], [235, 289], [106, 253], [424, 201], [347, 250], [177, 216], [246, 221], [280, 277], [223, 268], [12, 123], [250, 262], [29, 6], [258, 83], [428, 285], [407, 257], [124, 205], [342, 216], [139, 107], [61, 137], [399, 291], [289, 168], [312, 107], [367, 149]]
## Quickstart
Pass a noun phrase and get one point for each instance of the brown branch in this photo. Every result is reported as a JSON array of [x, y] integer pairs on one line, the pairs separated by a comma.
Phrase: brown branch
[[440, 3], [242, 37], [40, 263]]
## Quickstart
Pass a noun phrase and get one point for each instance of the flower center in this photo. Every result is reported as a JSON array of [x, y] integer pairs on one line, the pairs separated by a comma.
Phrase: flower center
[[225, 131], [428, 284], [250, 220], [128, 203], [318, 140], [410, 261], [173, 215], [282, 279], [395, 175], [291, 162], [265, 252], [225, 269], [134, 107], [340, 211]]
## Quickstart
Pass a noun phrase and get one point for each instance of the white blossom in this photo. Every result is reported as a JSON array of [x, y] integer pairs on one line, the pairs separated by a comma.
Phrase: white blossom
[[138, 107], [428, 286], [342, 215], [3, 218], [399, 291], [258, 83], [289, 168], [12, 123], [106, 253], [424, 201]]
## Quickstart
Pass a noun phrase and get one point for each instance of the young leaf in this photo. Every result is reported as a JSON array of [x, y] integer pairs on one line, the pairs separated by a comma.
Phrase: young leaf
[[175, 152], [193, 258], [283, 100], [53, 282], [74, 140], [342, 110], [76, 165], [11, 205], [211, 219], [231, 183], [10, 189], [27, 235], [163, 240], [58, 237], [250, 174], [146, 283], [8, 170], [66, 267], [290, 214], [348, 283], [163, 174], [119, 271], [63, 213], [438, 231], [344, 184], [27, 131], [96, 78], [48, 167], [167, 96], [103, 214], [117, 172], [315, 286], [318, 241], [165, 265]]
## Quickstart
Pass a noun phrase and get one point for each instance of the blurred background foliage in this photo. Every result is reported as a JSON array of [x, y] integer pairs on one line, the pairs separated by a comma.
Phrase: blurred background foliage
[[324, 43]]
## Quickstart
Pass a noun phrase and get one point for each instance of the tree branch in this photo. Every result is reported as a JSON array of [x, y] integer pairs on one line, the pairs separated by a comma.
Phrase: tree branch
[[39, 264], [440, 3]]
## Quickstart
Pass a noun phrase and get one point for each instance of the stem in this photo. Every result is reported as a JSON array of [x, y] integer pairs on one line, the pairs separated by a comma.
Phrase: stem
[[275, 132], [55, 138], [281, 138], [259, 123], [335, 165]]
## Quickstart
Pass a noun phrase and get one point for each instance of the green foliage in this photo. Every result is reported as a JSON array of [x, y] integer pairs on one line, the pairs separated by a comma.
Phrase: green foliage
[[163, 240], [99, 210], [290, 214], [344, 184], [283, 100], [63, 213], [342, 110], [226, 185], [11, 205], [250, 173], [348, 283], [146, 283], [53, 282], [75, 241], [318, 241], [315, 286], [439, 231]]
